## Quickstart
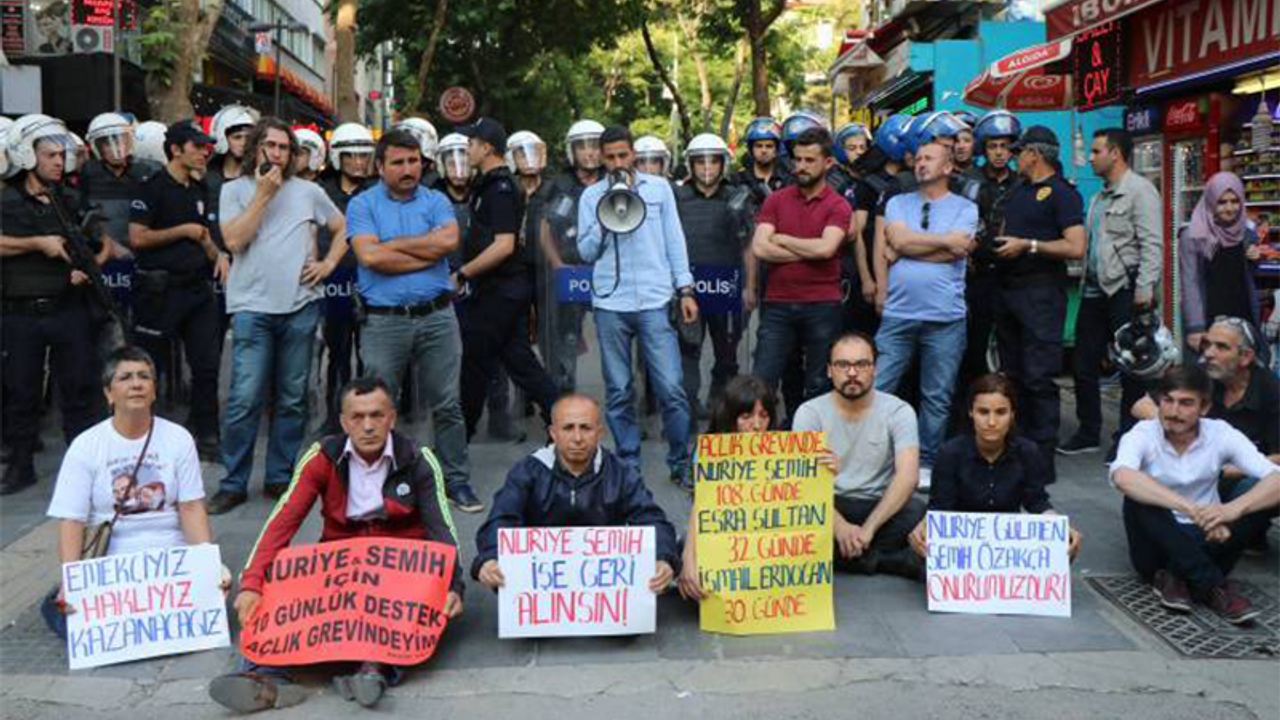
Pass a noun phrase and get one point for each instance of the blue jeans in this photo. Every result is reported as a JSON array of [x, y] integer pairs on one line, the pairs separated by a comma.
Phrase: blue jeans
[[660, 350], [433, 343], [267, 352], [941, 348], [788, 327]]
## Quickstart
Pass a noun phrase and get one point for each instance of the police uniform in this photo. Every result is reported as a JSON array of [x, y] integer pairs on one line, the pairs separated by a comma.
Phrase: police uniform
[[1032, 303], [173, 296], [495, 315], [339, 321], [561, 326], [462, 211], [43, 312], [113, 193], [715, 235]]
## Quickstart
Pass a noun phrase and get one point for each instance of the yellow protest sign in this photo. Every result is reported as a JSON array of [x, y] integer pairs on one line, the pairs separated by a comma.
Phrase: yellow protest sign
[[763, 509]]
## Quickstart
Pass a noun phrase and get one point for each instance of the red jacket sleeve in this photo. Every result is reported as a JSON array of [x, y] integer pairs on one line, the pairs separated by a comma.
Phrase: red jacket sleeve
[[309, 477]]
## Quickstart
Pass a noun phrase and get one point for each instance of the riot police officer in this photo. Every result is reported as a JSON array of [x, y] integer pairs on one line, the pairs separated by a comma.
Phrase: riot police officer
[[113, 175], [652, 156], [495, 313], [429, 140], [46, 303], [455, 182], [563, 324], [310, 158], [713, 215], [177, 261], [350, 164]]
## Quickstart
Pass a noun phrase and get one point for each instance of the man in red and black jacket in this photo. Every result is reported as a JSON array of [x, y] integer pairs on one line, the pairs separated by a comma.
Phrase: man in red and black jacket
[[371, 482]]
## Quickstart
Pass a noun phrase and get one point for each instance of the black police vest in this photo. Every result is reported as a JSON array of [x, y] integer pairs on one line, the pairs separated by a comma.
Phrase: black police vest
[[480, 236], [562, 215], [34, 274], [709, 228], [535, 207], [113, 194]]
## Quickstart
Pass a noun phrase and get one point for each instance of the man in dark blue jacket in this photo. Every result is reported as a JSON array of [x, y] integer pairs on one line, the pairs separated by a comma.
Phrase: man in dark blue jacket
[[576, 483]]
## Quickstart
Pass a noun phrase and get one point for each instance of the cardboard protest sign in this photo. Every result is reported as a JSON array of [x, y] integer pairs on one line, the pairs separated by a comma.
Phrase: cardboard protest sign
[[998, 563], [144, 604], [565, 581], [764, 533], [374, 599]]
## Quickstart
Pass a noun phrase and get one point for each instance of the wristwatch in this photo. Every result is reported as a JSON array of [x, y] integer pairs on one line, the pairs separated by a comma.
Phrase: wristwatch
[[1035, 247], [686, 291]]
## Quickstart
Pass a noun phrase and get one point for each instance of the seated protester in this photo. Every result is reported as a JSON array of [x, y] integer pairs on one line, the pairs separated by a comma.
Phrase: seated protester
[[745, 405], [1182, 538], [371, 481], [874, 451], [994, 470], [135, 470], [573, 483]]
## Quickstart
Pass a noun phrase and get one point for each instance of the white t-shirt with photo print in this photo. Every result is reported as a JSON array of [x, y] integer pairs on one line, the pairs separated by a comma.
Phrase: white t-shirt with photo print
[[95, 474]]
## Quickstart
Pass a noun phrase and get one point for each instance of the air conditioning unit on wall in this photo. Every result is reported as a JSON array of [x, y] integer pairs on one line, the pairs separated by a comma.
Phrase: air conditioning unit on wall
[[92, 39]]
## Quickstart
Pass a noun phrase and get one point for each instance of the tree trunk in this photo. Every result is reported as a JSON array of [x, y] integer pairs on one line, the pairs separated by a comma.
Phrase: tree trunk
[[690, 31], [172, 102], [348, 103], [428, 55], [681, 109], [739, 68], [758, 21]]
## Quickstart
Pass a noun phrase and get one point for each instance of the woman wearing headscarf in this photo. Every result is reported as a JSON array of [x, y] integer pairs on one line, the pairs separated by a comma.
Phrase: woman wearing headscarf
[[1214, 255]]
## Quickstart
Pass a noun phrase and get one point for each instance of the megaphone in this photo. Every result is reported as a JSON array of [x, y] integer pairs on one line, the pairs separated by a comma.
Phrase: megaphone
[[621, 210]]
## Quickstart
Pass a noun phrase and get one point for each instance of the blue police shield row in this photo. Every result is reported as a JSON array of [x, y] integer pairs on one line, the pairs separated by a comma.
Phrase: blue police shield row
[[718, 288]]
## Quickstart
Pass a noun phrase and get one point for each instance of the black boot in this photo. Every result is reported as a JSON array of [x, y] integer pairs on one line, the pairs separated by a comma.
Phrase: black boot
[[20, 475]]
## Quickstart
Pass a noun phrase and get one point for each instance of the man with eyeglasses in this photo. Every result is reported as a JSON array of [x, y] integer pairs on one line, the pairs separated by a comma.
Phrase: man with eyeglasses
[[928, 234], [873, 449]]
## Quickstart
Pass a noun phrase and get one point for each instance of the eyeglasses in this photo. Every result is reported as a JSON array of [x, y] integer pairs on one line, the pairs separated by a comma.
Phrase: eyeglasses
[[860, 366], [924, 217], [1242, 326]]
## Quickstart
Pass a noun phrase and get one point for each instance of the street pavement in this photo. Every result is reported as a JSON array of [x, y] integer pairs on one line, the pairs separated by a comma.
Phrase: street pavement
[[887, 657]]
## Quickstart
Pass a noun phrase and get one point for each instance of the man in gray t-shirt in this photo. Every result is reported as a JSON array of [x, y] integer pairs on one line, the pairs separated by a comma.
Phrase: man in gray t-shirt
[[874, 450], [269, 220]]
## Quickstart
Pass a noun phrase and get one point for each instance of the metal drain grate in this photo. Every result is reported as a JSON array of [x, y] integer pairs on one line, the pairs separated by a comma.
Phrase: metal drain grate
[[1200, 633]]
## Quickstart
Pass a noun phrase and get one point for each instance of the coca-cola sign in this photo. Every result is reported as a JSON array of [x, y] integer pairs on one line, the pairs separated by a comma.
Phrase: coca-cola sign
[[1182, 115]]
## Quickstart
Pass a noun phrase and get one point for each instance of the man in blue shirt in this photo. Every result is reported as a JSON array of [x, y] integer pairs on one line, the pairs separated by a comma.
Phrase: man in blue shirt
[[929, 234], [635, 277], [401, 233]]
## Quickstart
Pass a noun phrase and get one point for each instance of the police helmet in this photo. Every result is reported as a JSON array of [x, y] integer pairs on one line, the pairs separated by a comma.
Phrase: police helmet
[[843, 134], [581, 131], [349, 138], [227, 119], [424, 132], [890, 137], [1143, 348], [311, 140]]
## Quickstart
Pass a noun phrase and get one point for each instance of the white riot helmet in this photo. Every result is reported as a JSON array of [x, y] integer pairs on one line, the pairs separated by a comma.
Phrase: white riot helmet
[[227, 119], [451, 156], [148, 142], [527, 148], [707, 145], [311, 140], [113, 130], [5, 124], [651, 149], [349, 138], [424, 131], [30, 129], [585, 131], [1143, 348]]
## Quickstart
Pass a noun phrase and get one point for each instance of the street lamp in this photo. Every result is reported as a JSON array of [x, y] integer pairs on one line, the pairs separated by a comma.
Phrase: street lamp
[[276, 28]]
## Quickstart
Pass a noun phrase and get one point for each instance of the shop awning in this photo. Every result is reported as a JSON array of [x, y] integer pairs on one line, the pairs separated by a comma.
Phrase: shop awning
[[295, 85], [860, 58], [905, 84], [1025, 80], [1071, 17]]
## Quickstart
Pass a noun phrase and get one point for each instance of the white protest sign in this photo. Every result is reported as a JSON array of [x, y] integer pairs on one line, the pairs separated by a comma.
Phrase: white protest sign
[[563, 581], [144, 604], [998, 563]]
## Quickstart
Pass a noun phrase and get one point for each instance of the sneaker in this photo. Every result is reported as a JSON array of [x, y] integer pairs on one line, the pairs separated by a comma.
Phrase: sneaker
[[682, 480], [248, 692], [1235, 608], [209, 448], [367, 686], [224, 501], [18, 477], [1171, 591], [926, 479], [1078, 445], [275, 490], [464, 498]]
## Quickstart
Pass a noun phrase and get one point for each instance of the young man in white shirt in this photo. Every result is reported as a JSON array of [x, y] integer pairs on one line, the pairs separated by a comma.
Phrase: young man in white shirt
[[1182, 537]]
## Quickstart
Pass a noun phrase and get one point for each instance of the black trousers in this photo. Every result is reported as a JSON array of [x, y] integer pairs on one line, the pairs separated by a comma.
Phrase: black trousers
[[68, 336], [1157, 541], [340, 339], [889, 551], [726, 332], [981, 293], [495, 332], [187, 312], [1096, 325], [1029, 334]]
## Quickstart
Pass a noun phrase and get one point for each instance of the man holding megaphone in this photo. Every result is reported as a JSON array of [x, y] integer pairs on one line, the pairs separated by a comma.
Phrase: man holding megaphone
[[629, 229]]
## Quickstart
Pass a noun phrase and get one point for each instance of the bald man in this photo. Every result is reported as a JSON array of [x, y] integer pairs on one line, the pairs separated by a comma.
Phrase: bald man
[[574, 483]]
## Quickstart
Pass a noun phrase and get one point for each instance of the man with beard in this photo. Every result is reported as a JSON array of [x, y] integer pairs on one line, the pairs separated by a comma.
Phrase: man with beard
[[874, 452], [798, 233], [1183, 538]]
